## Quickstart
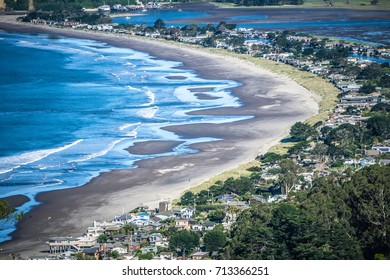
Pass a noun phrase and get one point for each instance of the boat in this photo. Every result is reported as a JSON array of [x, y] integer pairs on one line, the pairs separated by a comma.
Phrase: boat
[[179, 10], [144, 10], [128, 17]]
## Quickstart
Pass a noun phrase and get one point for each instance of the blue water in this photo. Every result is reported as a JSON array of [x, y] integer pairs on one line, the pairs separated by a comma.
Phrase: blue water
[[354, 30], [69, 108], [149, 17], [374, 59]]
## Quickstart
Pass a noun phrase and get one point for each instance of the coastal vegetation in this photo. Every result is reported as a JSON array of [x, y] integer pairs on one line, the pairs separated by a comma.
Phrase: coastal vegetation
[[339, 217], [5, 209]]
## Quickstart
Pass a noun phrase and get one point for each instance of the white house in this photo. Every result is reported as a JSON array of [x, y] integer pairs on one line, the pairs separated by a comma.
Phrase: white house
[[187, 213]]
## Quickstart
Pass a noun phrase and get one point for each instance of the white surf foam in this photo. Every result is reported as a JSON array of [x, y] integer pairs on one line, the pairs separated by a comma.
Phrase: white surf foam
[[132, 88], [99, 153], [151, 96], [7, 164], [148, 113]]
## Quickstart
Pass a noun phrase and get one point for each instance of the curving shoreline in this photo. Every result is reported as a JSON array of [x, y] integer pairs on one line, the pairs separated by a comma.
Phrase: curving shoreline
[[72, 210]]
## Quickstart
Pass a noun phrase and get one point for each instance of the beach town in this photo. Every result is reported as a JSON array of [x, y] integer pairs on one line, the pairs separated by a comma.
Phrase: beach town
[[349, 134]]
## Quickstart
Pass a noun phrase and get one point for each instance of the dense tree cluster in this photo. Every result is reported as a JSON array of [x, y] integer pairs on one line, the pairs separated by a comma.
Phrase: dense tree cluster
[[339, 218]]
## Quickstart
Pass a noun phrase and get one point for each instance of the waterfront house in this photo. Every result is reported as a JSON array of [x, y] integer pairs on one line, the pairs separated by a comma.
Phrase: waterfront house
[[62, 244]]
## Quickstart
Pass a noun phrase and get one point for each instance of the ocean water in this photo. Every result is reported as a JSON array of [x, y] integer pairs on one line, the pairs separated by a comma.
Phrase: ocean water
[[69, 108]]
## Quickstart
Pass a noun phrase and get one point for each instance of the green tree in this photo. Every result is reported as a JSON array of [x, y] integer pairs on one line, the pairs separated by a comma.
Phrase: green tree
[[187, 199], [288, 176], [147, 256], [367, 88], [159, 24], [127, 229], [5, 209], [301, 131], [214, 240], [251, 236], [102, 238], [381, 107], [217, 216], [370, 205], [184, 240], [113, 254], [379, 126]]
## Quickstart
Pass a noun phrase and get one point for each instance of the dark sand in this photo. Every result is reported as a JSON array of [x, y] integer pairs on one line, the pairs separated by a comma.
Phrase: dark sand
[[176, 78], [153, 147], [16, 200], [72, 210], [203, 96]]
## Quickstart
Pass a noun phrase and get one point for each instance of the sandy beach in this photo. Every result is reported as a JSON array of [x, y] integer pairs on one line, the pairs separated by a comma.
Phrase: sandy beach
[[275, 103]]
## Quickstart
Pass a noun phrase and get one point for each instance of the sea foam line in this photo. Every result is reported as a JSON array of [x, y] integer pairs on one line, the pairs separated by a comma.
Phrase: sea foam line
[[100, 153], [7, 164]]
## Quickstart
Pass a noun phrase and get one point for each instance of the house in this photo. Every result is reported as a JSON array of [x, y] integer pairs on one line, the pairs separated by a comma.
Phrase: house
[[373, 152], [182, 224], [62, 244], [367, 161], [149, 249], [187, 213], [165, 215], [200, 255], [351, 162], [118, 237], [381, 149], [141, 237], [196, 227], [120, 249], [155, 221], [226, 198], [384, 161], [133, 246], [242, 205], [156, 239], [166, 256], [209, 225]]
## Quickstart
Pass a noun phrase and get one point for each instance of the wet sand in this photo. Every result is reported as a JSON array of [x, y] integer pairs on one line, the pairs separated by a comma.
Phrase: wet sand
[[153, 147], [72, 210]]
